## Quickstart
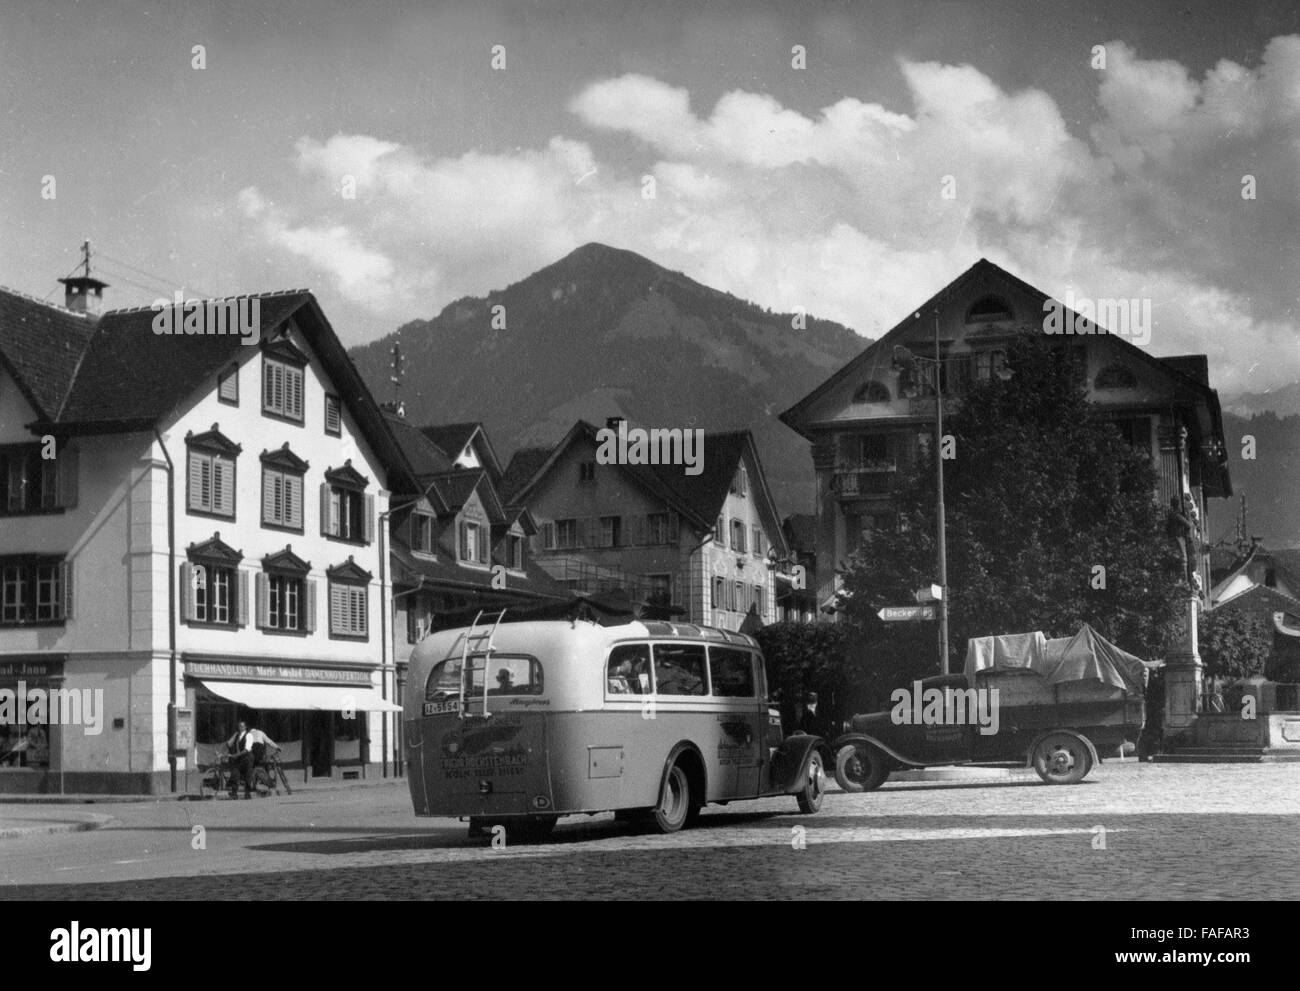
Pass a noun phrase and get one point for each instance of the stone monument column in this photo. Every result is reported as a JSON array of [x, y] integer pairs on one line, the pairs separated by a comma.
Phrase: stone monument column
[[1183, 665]]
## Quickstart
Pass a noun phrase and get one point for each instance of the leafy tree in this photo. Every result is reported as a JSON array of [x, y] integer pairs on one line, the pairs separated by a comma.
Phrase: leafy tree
[[809, 657], [1234, 643], [1040, 496]]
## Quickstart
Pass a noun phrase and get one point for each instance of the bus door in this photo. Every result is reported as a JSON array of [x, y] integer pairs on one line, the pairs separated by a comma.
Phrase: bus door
[[734, 673]]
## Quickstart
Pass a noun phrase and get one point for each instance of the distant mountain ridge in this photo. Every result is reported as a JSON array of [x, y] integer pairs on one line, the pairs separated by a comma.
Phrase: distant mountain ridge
[[1284, 401], [606, 332]]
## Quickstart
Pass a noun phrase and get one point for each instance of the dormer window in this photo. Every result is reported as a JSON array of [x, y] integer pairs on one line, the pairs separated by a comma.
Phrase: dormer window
[[421, 536], [872, 392], [988, 309], [472, 543], [514, 551]]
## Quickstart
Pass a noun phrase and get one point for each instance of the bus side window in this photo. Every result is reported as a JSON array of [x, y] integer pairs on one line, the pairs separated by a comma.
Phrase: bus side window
[[628, 671], [680, 669], [732, 671]]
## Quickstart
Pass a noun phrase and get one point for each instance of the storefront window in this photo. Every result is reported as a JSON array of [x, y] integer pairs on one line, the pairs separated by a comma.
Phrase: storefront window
[[24, 746]]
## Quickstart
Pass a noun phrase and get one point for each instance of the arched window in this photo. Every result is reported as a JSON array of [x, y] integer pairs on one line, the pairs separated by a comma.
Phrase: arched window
[[988, 309], [872, 392], [1116, 377]]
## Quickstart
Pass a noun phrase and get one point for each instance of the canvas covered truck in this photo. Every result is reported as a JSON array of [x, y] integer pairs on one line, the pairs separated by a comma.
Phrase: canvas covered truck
[[1024, 699]]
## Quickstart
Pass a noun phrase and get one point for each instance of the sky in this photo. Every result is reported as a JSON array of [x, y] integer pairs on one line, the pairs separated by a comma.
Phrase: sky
[[1149, 153]]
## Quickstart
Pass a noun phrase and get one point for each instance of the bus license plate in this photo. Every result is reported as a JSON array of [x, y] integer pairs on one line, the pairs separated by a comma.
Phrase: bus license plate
[[433, 708]]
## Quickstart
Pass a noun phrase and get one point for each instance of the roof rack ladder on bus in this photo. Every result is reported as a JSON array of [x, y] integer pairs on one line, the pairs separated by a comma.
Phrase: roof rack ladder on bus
[[477, 636]]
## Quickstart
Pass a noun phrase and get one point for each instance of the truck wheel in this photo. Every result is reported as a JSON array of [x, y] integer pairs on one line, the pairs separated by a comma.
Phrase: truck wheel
[[810, 799], [674, 806], [1062, 759], [860, 768]]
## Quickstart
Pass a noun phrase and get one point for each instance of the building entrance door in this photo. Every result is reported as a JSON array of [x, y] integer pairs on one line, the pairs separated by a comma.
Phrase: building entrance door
[[320, 743]]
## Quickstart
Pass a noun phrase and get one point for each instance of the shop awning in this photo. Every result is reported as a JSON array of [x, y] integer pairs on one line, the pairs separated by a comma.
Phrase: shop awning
[[328, 698]]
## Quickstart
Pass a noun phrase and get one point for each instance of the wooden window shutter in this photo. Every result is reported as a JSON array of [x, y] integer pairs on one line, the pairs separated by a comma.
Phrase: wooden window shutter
[[462, 536], [363, 619], [325, 509], [270, 512], [65, 588], [196, 480], [308, 608], [223, 485], [548, 536], [262, 592], [241, 597], [293, 501], [337, 607], [293, 392], [67, 477], [186, 591], [228, 385], [333, 416], [410, 621], [368, 519]]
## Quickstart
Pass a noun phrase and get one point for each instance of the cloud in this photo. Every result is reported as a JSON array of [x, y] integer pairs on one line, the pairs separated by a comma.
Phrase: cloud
[[843, 211]]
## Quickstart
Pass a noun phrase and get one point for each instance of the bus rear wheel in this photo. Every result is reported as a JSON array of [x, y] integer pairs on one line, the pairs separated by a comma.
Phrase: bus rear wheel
[[675, 802]]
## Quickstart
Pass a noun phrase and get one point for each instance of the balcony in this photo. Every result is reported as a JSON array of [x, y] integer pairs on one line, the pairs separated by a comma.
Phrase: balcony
[[876, 478]]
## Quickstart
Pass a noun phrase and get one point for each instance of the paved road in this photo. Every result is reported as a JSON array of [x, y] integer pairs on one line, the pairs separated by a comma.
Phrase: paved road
[[1170, 831]]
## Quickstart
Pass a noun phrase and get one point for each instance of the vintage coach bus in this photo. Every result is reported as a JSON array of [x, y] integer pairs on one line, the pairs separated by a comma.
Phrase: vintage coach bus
[[525, 722]]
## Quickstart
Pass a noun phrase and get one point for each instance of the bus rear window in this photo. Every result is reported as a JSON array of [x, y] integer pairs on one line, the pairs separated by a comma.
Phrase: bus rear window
[[510, 675], [732, 671], [679, 669]]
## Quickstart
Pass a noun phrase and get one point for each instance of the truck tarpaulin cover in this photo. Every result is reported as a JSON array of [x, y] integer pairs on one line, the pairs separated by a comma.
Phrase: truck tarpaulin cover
[[1086, 656]]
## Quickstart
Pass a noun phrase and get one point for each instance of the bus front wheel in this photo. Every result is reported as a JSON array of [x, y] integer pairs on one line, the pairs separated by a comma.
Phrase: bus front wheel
[[675, 804]]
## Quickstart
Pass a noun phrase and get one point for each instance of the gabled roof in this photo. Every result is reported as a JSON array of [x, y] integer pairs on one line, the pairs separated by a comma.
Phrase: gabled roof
[[1186, 371], [40, 347], [524, 464], [452, 439], [116, 375], [132, 378], [697, 498], [644, 474], [705, 493], [456, 487]]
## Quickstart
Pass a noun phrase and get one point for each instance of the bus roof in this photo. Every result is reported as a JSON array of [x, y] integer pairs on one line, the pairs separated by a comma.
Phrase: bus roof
[[547, 632]]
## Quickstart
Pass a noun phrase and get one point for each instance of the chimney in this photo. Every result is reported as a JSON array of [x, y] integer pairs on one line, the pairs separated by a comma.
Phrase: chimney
[[83, 293]]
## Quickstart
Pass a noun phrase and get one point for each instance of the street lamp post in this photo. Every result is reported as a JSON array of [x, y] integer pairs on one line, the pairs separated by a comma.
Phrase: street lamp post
[[904, 356]]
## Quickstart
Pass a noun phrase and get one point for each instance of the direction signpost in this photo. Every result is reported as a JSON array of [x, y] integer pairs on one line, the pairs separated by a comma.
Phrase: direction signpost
[[907, 614]]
